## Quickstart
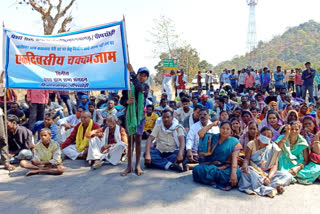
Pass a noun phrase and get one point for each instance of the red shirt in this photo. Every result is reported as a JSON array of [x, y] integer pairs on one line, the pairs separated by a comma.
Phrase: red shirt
[[181, 82], [199, 78], [297, 79], [72, 138]]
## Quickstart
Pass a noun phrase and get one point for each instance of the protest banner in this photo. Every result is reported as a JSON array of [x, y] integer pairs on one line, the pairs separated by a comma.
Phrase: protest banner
[[89, 59]]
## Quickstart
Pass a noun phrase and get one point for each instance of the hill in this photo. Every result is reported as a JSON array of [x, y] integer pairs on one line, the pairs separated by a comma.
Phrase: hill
[[290, 50]]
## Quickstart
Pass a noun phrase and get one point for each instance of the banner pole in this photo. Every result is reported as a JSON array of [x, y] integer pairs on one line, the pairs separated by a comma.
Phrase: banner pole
[[129, 87], [5, 113], [125, 35]]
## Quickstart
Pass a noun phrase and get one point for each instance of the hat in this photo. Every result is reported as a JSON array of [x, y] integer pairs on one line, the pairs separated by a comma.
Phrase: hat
[[204, 97], [143, 70], [211, 92]]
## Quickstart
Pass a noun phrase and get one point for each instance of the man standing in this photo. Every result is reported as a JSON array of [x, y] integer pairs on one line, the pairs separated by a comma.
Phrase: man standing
[[137, 102], [208, 79], [227, 77], [278, 77], [241, 80], [222, 77], [181, 82], [65, 97], [167, 84], [199, 77], [249, 81], [38, 100], [307, 77], [265, 78], [233, 79]]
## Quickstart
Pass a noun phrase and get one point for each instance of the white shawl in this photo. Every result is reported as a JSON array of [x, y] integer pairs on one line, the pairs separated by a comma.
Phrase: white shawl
[[117, 135]]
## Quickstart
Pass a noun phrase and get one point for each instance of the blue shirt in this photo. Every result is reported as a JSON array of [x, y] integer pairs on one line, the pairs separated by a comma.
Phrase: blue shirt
[[234, 81], [207, 105], [40, 125], [309, 80], [279, 80]]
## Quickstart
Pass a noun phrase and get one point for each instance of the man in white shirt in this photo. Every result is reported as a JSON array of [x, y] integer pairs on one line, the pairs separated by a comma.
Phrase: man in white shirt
[[222, 77], [241, 80], [67, 123], [193, 137], [227, 77]]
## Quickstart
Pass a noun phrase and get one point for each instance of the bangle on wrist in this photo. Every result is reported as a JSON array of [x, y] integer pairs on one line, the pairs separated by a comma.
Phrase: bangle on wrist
[[301, 165]]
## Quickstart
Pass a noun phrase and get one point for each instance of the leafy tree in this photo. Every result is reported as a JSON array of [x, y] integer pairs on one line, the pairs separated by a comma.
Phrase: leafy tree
[[164, 36]]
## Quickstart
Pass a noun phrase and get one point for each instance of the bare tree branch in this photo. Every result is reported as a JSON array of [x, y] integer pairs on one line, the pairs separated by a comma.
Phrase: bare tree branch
[[59, 6], [44, 7], [61, 14], [37, 7], [63, 27]]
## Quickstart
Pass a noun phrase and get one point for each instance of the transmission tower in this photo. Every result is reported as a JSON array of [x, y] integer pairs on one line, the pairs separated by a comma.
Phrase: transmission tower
[[252, 33]]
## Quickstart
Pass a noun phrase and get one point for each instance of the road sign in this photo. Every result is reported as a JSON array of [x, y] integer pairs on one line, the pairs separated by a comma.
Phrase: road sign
[[170, 64]]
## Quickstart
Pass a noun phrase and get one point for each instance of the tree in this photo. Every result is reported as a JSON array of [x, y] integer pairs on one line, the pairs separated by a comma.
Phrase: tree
[[52, 12], [164, 36], [188, 60]]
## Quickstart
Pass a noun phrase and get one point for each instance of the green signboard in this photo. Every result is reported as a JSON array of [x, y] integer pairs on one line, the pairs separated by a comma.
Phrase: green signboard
[[170, 64]]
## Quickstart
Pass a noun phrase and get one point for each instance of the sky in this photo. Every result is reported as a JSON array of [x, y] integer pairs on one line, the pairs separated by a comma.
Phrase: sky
[[216, 28]]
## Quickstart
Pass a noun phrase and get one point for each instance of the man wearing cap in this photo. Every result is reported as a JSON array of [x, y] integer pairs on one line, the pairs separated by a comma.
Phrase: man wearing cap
[[307, 77], [204, 101], [141, 88]]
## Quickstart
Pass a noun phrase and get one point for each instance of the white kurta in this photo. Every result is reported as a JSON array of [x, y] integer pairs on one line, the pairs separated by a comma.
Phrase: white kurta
[[113, 154]]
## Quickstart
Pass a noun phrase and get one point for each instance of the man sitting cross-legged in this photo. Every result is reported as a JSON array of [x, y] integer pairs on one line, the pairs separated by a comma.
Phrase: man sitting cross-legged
[[76, 145], [46, 156], [67, 124], [169, 151], [108, 144]]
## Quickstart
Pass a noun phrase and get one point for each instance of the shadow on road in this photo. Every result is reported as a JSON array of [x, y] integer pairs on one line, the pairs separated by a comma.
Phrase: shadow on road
[[82, 189]]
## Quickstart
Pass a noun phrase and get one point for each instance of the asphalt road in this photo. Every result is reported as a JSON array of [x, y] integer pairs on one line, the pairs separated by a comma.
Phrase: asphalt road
[[83, 190]]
